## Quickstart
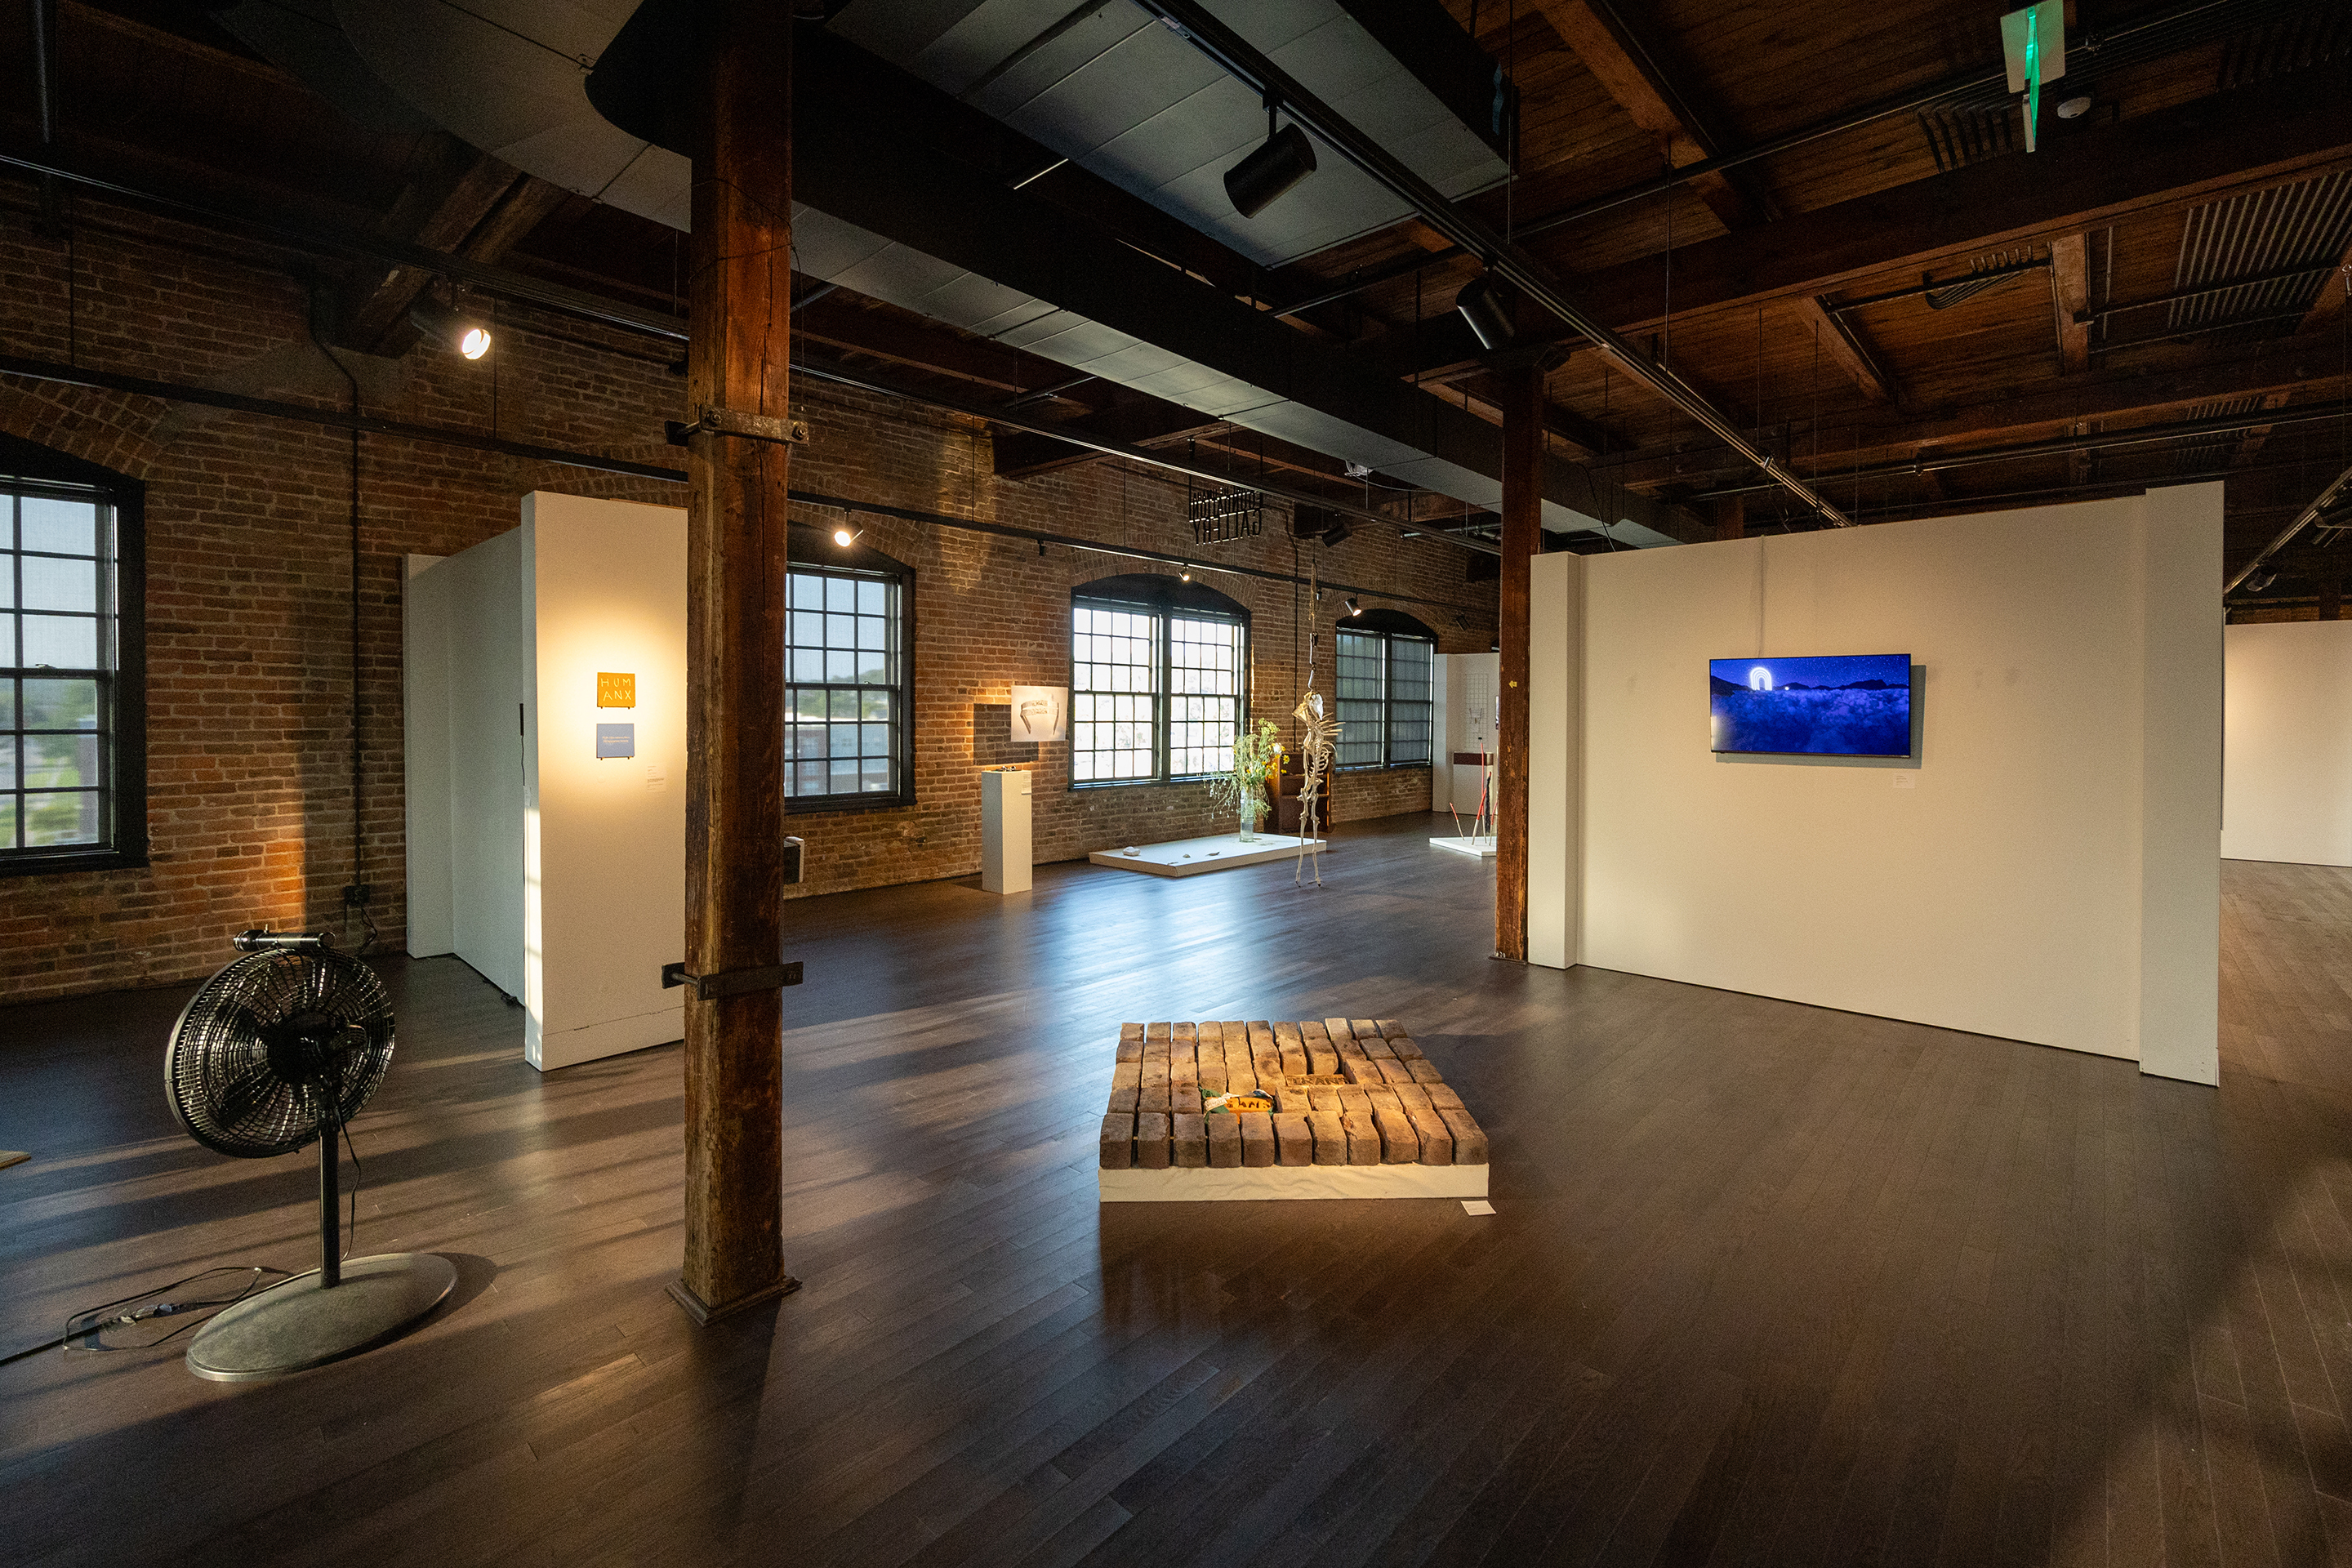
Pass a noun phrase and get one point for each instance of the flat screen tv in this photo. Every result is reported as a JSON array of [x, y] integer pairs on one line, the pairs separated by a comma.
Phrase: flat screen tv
[[1851, 705]]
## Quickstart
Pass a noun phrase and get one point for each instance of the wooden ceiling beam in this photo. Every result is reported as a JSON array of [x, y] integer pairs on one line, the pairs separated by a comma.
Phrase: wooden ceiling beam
[[1848, 350], [2070, 283], [440, 210], [2332, 295], [2160, 163], [2114, 399]]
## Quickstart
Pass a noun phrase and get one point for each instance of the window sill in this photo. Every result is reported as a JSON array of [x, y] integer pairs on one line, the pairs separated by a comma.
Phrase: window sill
[[39, 864], [1385, 768], [844, 804]]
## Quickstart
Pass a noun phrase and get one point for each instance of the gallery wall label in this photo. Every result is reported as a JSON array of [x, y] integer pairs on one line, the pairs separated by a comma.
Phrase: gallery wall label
[[616, 741]]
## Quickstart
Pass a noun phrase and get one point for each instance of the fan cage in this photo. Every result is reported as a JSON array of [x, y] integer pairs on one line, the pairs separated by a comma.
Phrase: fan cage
[[228, 1093]]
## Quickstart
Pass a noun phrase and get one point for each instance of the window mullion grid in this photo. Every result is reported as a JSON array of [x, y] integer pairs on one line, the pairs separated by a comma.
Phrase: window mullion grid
[[1163, 703]]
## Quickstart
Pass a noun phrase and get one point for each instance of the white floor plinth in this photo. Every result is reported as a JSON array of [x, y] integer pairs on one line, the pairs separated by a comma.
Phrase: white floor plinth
[[1476, 849], [1190, 857]]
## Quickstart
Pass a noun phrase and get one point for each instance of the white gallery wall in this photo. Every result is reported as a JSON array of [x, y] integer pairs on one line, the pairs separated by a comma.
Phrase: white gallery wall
[[2286, 747], [2046, 870], [564, 872]]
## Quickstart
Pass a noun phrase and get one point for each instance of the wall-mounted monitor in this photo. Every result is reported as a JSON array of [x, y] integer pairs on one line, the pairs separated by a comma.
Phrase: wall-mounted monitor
[[1849, 705]]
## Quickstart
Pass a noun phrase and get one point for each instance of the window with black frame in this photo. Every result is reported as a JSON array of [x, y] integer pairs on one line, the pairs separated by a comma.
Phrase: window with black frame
[[1156, 683], [72, 773], [1385, 660], [848, 691]]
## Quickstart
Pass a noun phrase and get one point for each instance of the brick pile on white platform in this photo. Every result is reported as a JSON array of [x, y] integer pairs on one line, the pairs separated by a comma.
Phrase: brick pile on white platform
[[1358, 1112]]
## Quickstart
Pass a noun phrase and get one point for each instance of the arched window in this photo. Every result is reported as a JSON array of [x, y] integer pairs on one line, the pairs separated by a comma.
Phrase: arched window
[[1384, 665], [849, 677], [73, 712], [1157, 680]]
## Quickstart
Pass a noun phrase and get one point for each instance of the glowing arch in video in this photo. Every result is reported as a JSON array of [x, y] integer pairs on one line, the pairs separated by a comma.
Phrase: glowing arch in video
[[1760, 679]]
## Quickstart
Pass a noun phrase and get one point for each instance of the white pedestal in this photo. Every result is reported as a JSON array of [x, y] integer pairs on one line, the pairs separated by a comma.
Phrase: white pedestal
[[1005, 831]]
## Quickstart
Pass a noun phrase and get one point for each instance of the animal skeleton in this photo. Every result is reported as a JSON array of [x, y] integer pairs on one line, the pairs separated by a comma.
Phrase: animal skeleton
[[1318, 742]]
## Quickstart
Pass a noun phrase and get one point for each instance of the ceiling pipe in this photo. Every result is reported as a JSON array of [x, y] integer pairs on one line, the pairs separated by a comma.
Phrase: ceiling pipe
[[1504, 260], [2302, 520]]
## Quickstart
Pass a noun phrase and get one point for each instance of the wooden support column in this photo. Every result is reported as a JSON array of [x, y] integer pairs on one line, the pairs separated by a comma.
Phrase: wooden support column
[[1523, 457], [1731, 517], [737, 359]]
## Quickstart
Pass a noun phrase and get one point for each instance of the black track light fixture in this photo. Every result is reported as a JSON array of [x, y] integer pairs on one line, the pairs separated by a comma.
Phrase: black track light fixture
[[1489, 317], [1286, 158], [1354, 608], [445, 326]]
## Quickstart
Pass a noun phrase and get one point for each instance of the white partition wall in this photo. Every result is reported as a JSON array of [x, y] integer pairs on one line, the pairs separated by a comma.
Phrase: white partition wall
[[2286, 780], [2046, 870], [564, 870]]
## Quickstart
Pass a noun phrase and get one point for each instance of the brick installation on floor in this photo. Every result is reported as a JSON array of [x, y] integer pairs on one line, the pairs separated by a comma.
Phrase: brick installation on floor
[[1344, 1091]]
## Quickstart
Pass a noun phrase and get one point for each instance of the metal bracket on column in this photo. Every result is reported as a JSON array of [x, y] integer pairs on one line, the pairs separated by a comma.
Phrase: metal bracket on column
[[731, 981], [728, 422]]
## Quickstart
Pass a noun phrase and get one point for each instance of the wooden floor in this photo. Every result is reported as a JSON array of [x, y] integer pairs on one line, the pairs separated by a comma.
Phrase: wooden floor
[[1766, 1284]]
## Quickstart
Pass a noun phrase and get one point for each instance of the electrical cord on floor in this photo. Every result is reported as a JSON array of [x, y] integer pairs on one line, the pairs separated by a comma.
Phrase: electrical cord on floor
[[93, 1320], [359, 1180]]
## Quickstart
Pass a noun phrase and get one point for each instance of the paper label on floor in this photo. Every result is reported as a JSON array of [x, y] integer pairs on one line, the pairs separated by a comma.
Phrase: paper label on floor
[[1476, 1206]]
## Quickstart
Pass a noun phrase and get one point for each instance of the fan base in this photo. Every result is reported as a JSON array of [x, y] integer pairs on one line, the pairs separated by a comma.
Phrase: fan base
[[297, 1323]]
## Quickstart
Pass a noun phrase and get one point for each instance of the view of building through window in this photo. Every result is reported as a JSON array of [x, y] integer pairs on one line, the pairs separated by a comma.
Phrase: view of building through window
[[1384, 698], [58, 617], [845, 695], [1155, 694]]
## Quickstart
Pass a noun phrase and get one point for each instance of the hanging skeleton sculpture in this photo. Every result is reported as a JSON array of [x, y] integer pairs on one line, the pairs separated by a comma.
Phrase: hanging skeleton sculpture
[[1318, 742]]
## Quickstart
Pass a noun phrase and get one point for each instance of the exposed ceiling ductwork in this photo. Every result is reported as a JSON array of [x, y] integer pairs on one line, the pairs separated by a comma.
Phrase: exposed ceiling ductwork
[[508, 79]]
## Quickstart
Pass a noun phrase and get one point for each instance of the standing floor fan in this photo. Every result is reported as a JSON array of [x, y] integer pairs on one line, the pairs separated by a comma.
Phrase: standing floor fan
[[278, 1049]]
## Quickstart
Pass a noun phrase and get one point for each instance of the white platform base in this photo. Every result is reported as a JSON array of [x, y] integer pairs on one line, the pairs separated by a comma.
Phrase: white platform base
[[1476, 849], [1253, 1184], [1190, 857]]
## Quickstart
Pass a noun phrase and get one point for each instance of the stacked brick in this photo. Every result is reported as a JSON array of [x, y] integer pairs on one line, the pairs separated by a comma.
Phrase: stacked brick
[[1346, 1092]]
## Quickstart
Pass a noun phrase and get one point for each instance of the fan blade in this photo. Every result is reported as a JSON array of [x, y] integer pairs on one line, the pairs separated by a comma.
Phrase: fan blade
[[239, 1099]]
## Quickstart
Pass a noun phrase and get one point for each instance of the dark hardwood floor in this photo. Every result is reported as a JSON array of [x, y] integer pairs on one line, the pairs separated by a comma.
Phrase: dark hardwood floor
[[1766, 1284]]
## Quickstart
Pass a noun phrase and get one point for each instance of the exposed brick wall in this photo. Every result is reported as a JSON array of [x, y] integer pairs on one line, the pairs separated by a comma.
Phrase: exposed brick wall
[[249, 676]]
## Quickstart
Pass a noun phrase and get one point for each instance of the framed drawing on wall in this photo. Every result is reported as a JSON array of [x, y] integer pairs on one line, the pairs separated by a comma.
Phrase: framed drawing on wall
[[1041, 713]]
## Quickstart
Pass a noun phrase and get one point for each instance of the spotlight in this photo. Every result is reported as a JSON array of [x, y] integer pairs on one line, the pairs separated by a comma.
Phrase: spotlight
[[843, 537], [1354, 608], [1490, 321], [444, 325], [1286, 158], [1186, 575]]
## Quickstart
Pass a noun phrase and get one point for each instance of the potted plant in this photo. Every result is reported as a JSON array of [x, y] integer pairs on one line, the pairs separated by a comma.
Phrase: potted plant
[[1241, 789]]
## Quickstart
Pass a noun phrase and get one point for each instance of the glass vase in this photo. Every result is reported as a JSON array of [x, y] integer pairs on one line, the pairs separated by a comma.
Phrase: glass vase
[[1248, 834]]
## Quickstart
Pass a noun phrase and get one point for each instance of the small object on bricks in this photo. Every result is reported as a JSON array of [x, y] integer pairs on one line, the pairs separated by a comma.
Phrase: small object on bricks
[[1295, 1140], [1152, 1141]]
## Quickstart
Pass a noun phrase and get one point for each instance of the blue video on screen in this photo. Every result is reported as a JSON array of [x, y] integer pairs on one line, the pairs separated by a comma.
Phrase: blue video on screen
[[1856, 705]]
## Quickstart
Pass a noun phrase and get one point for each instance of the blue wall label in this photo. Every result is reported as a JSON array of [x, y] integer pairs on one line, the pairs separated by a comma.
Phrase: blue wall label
[[616, 741]]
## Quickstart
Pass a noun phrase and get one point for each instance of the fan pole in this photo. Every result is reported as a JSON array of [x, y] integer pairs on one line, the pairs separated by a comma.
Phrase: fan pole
[[331, 1230]]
